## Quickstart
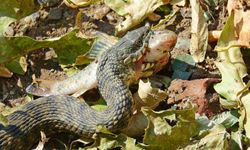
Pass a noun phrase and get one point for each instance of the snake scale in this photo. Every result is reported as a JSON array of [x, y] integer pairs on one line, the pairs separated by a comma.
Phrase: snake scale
[[117, 68]]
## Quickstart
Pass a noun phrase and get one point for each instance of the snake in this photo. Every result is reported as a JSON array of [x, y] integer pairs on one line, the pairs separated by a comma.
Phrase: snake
[[118, 67]]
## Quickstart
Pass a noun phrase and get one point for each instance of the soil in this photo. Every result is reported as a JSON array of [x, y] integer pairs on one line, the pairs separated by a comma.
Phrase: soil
[[56, 21], [48, 23]]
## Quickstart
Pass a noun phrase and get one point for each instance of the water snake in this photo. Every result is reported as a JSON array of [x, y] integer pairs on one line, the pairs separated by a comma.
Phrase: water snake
[[118, 67]]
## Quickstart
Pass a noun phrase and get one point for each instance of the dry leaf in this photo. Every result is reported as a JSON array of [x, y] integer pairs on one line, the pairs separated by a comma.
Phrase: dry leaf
[[199, 32], [135, 11], [147, 96], [241, 21], [42, 141], [214, 35], [78, 3], [4, 72]]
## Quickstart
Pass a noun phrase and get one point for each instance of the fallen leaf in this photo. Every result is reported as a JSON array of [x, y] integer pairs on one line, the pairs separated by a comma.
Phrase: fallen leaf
[[226, 118], [147, 96], [3, 120], [178, 2], [170, 129], [229, 87], [78, 3], [232, 67], [4, 72], [129, 9], [15, 106], [67, 47], [166, 19], [199, 32], [231, 82], [18, 65], [227, 38], [241, 21], [137, 125], [106, 141], [237, 140], [217, 138], [17, 9]]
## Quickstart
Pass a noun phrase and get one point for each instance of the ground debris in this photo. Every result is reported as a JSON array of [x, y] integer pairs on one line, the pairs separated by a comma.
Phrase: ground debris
[[196, 91]]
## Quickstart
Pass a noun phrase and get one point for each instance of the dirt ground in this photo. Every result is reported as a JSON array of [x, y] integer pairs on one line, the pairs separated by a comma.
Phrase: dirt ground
[[60, 19]]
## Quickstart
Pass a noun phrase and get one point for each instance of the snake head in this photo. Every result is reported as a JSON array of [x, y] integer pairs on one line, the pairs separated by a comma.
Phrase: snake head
[[157, 53], [134, 45]]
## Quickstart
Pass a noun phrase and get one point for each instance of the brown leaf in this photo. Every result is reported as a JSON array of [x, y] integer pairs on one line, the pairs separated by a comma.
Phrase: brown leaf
[[4, 72], [199, 32], [147, 96], [194, 91], [241, 21]]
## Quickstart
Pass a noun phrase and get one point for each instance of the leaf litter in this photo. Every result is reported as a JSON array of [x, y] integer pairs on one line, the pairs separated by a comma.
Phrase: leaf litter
[[168, 126]]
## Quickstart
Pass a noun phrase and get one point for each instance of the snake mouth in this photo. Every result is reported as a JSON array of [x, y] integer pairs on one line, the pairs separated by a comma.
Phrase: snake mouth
[[141, 55], [157, 54]]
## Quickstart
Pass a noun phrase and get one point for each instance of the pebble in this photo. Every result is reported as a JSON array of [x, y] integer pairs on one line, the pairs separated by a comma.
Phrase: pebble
[[55, 14], [9, 31]]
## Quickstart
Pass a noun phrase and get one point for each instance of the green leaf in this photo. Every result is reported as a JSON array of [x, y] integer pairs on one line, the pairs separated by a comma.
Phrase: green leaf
[[8, 110], [99, 105], [216, 138], [237, 140], [106, 141], [229, 87], [229, 104], [227, 47], [18, 65], [67, 47], [17, 9], [166, 19], [233, 69], [3, 120], [227, 37], [227, 118], [4, 23], [231, 82], [170, 129]]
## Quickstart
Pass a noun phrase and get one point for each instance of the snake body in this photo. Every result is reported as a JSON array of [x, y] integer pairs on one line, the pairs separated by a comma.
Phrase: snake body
[[53, 114]]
